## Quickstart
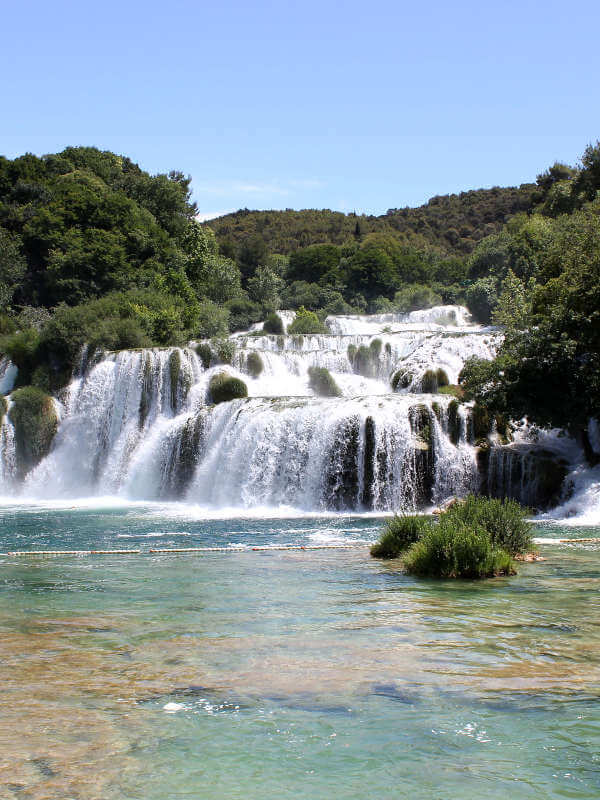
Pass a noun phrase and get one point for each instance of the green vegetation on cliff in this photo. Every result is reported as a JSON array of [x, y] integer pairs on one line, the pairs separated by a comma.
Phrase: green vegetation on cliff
[[33, 415]]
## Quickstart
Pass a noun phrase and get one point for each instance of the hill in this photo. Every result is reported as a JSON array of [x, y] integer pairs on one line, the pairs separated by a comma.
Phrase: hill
[[451, 224]]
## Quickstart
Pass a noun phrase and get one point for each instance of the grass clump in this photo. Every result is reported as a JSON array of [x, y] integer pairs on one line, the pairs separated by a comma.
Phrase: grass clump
[[453, 549], [273, 324], [452, 389], [224, 387], [254, 364], [474, 538], [504, 520], [322, 383], [399, 534]]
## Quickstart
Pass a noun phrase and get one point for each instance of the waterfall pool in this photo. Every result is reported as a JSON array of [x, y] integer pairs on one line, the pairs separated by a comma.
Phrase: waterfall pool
[[287, 674]]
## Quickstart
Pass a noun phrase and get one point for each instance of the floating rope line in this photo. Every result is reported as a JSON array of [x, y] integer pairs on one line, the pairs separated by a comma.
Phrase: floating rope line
[[249, 549], [590, 539], [159, 550]]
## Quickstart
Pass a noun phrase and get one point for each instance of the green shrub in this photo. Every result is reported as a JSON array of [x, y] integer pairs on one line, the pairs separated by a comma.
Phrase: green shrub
[[242, 313], [254, 364], [504, 520], [205, 354], [7, 325], [351, 353], [224, 387], [399, 533], [273, 324], [23, 350], [225, 350], [307, 322], [33, 415], [322, 382], [453, 549], [416, 297]]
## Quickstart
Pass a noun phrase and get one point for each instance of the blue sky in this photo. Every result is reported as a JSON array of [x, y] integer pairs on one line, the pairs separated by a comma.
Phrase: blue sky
[[353, 106]]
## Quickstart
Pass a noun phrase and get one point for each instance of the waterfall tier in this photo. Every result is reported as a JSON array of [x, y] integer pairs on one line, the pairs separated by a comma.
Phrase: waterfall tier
[[140, 424]]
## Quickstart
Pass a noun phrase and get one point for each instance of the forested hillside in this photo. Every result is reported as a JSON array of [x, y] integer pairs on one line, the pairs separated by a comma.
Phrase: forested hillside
[[452, 224]]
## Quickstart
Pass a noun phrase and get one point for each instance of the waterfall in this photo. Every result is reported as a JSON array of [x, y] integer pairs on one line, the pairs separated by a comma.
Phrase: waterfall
[[8, 461], [8, 375], [138, 424]]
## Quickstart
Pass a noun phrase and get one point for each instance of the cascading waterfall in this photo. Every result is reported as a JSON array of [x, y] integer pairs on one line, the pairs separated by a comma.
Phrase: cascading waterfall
[[139, 424]]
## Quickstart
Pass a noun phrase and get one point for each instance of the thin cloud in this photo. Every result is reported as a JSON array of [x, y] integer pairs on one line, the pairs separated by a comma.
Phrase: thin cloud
[[204, 216]]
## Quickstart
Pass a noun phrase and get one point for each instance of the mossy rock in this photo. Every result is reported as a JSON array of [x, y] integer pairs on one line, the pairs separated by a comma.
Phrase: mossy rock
[[401, 379], [481, 422], [224, 387], [322, 382], [421, 423], [33, 415], [174, 372], [3, 407], [437, 410], [205, 354], [342, 466], [352, 350], [453, 422], [375, 347], [147, 390], [432, 380], [369, 463], [503, 428], [254, 364], [364, 363]]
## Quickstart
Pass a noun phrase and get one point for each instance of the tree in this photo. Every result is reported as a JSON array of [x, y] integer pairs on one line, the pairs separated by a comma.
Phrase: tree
[[265, 287], [12, 266], [514, 307]]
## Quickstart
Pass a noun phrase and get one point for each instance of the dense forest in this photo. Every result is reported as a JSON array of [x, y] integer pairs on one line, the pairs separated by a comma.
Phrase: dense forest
[[451, 224], [95, 251]]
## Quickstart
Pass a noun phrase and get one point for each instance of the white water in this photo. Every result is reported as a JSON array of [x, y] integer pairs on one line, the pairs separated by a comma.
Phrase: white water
[[8, 375], [138, 426]]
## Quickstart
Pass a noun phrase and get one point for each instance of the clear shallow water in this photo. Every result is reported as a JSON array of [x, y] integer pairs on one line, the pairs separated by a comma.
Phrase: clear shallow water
[[288, 674]]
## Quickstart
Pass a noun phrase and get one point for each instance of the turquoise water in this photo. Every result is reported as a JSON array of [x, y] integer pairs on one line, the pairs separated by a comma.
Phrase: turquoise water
[[287, 674]]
